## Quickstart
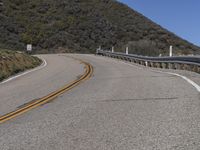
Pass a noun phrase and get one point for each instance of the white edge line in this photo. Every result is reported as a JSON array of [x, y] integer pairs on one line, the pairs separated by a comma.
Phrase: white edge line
[[195, 85], [44, 64], [183, 77]]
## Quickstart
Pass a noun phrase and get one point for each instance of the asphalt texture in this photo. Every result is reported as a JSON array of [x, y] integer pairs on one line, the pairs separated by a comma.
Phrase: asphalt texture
[[59, 71], [121, 107]]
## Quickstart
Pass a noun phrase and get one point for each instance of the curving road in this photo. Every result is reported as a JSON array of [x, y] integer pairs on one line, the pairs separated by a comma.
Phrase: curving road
[[122, 106], [59, 71]]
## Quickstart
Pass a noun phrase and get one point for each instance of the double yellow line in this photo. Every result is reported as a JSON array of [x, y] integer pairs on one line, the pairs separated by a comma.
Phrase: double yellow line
[[51, 96]]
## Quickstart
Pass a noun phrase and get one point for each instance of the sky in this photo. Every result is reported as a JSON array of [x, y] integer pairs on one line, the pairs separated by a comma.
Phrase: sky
[[181, 17]]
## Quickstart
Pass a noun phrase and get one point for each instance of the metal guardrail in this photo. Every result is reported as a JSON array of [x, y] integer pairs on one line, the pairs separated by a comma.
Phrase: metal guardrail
[[190, 63]]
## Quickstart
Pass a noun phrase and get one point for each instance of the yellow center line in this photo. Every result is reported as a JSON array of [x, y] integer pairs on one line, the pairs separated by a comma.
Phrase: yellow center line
[[87, 74]]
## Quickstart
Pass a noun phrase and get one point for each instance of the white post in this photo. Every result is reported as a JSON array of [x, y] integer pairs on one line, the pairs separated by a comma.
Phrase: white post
[[126, 50], [98, 49], [112, 49], [171, 51], [146, 63]]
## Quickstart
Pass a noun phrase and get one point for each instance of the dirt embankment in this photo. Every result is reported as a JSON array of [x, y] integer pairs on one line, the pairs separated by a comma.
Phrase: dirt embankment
[[14, 62]]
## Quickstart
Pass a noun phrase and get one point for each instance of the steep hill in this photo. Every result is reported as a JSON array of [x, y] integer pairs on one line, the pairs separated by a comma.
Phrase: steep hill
[[83, 25]]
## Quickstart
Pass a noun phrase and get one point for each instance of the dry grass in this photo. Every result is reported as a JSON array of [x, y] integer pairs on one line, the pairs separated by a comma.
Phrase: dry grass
[[14, 62]]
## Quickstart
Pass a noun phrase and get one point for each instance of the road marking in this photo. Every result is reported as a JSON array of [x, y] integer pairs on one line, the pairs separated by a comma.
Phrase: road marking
[[44, 64], [195, 85], [87, 74], [183, 77]]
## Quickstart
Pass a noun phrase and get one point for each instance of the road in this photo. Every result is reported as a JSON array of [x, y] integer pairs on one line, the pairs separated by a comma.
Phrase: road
[[39, 83], [122, 107]]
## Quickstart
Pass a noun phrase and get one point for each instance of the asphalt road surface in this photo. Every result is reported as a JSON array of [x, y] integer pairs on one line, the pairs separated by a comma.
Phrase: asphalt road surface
[[121, 107]]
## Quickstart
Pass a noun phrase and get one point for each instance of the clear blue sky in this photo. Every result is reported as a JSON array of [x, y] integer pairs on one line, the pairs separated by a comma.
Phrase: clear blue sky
[[179, 16]]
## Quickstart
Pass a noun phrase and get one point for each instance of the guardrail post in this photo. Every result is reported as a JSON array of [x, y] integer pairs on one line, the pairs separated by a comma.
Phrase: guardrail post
[[98, 49], [179, 66], [162, 65], [151, 64], [146, 63], [154, 65], [194, 68], [170, 51], [169, 65], [175, 66], [185, 67], [198, 69], [166, 65], [113, 49], [126, 50]]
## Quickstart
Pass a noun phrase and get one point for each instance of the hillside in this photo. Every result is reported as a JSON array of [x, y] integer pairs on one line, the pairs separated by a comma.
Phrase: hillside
[[15, 62], [83, 25]]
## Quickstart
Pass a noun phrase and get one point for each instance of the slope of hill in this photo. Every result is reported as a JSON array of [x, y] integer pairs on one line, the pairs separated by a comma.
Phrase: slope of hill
[[83, 25], [15, 62]]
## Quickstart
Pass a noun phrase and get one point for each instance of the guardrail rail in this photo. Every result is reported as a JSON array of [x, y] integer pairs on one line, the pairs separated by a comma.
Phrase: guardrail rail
[[190, 63]]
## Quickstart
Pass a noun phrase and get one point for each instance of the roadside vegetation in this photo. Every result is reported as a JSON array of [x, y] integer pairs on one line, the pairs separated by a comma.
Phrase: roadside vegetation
[[14, 62]]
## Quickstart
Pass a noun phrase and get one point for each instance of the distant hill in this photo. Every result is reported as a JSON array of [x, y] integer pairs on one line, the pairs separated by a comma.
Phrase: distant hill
[[83, 25]]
